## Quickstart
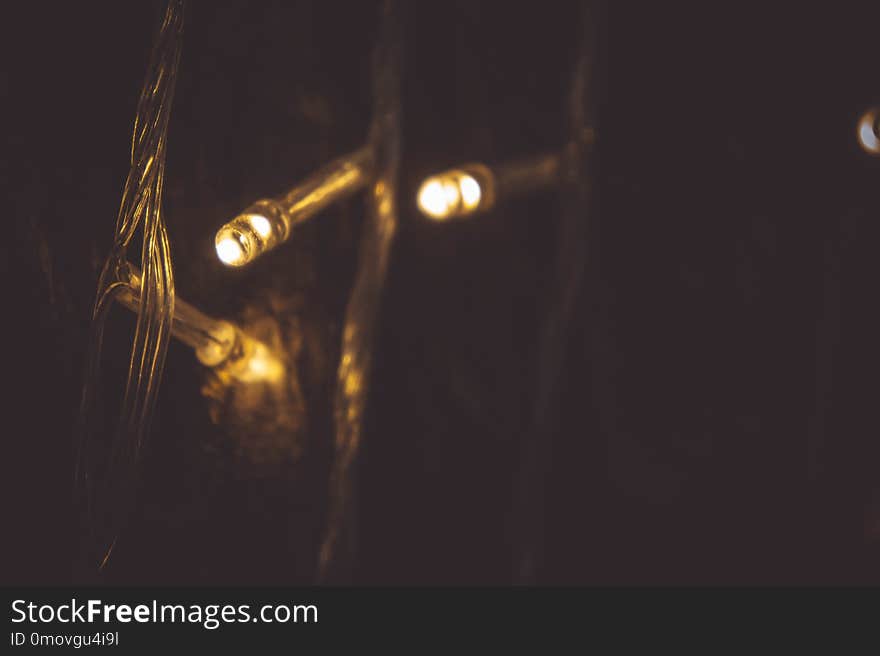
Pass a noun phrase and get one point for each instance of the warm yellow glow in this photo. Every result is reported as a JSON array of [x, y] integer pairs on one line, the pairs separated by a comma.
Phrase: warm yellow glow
[[432, 200], [352, 383], [250, 234], [240, 357], [261, 225], [867, 132], [223, 337], [470, 191], [262, 366], [229, 251], [244, 238], [454, 193], [268, 222]]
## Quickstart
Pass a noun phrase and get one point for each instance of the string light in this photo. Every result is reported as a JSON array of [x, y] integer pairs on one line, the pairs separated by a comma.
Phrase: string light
[[269, 222], [457, 192], [473, 188], [868, 132], [217, 343]]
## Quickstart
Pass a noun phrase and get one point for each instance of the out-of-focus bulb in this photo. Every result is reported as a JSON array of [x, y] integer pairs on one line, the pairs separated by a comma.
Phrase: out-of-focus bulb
[[263, 366], [222, 339], [867, 132], [219, 344], [248, 361], [437, 199], [457, 192]]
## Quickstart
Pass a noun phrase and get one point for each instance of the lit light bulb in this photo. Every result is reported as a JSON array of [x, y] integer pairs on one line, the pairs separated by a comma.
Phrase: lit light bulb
[[218, 344], [229, 250], [269, 222], [261, 227], [470, 192], [222, 336], [867, 132], [262, 366], [472, 188], [249, 361], [433, 199], [457, 192]]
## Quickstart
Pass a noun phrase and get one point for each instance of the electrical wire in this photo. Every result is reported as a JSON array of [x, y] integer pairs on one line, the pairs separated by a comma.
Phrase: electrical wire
[[106, 468]]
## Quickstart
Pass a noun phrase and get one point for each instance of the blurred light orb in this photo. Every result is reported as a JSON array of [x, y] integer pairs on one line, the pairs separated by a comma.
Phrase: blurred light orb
[[451, 194], [867, 132], [436, 199], [470, 192]]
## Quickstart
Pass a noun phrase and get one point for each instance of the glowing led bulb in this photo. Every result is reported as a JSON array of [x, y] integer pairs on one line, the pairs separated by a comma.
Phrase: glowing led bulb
[[229, 251], [260, 365], [262, 226], [867, 132], [470, 192], [222, 336], [457, 192], [218, 344], [268, 222], [248, 361], [433, 199], [473, 188]]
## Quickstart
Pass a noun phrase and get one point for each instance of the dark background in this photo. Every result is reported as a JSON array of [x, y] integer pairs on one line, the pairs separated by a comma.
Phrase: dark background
[[717, 416]]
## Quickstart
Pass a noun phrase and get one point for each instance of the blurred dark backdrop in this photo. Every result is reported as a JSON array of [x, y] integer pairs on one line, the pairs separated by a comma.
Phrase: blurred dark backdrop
[[717, 418]]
